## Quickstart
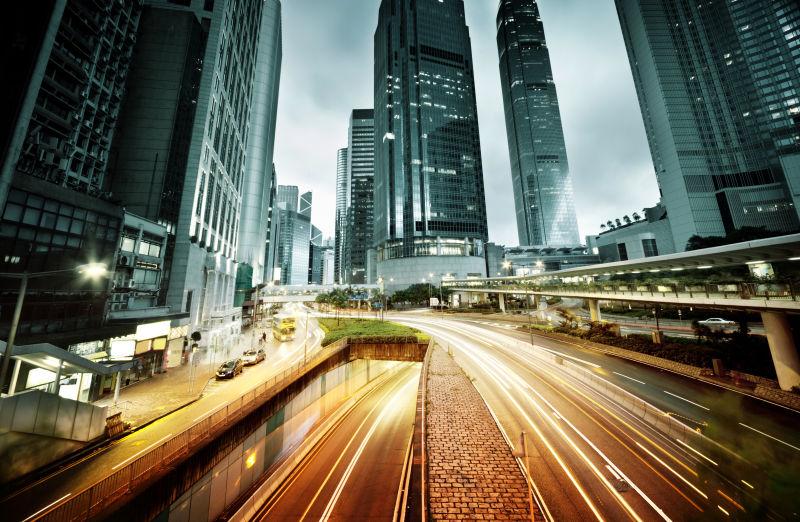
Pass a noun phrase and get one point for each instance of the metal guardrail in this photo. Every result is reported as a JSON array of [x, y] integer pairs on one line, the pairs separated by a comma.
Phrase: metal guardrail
[[725, 290], [93, 500]]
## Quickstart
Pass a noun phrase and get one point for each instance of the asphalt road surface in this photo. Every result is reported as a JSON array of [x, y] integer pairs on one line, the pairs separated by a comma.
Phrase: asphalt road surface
[[355, 472], [592, 460], [70, 481]]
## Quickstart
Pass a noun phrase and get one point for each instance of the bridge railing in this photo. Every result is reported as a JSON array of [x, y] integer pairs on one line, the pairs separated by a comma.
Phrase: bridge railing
[[725, 290], [92, 501]]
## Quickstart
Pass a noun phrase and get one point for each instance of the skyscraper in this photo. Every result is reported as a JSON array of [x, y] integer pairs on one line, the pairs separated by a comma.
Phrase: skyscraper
[[540, 175], [67, 67], [185, 139], [360, 173], [340, 235], [430, 211], [719, 89], [254, 220], [294, 237]]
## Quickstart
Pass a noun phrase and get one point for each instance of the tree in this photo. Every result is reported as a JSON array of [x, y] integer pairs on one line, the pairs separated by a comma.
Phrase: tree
[[636, 216], [697, 242], [626, 219], [610, 224], [618, 222]]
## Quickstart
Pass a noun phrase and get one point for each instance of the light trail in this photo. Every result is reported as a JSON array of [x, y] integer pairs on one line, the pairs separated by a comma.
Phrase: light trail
[[684, 479], [695, 451], [48, 506], [354, 460], [545, 441], [162, 439]]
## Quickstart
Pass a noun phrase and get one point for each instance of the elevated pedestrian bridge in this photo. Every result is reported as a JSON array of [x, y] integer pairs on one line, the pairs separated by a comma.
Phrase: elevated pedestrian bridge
[[700, 278], [306, 293]]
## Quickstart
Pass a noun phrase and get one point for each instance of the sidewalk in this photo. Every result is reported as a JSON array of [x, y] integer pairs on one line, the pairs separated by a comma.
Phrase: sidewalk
[[176, 387]]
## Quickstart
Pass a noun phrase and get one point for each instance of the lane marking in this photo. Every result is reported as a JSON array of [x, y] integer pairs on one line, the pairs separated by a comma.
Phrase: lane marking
[[723, 510], [770, 436], [48, 506], [695, 451], [687, 400], [631, 378], [162, 439]]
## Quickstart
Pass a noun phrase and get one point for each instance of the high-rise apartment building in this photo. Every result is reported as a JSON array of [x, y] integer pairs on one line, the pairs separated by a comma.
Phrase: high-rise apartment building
[[181, 155], [254, 221], [719, 89], [270, 250], [360, 173], [543, 197], [430, 210], [340, 235], [69, 65], [294, 237]]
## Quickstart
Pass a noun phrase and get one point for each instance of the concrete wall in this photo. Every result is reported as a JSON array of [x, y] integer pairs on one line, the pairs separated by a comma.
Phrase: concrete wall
[[46, 414]]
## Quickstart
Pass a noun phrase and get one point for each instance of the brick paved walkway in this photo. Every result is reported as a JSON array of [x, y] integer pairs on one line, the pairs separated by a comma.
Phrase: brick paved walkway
[[471, 472]]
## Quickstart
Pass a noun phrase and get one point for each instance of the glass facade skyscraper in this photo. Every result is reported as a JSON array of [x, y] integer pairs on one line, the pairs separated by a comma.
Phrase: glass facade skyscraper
[[342, 193], [360, 173], [429, 195], [719, 89], [294, 237], [543, 197]]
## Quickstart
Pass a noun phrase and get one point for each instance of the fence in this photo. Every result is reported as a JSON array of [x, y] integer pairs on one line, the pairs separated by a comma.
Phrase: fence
[[92, 501], [727, 290]]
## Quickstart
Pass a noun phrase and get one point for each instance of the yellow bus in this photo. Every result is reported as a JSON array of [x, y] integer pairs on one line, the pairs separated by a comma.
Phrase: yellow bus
[[283, 327]]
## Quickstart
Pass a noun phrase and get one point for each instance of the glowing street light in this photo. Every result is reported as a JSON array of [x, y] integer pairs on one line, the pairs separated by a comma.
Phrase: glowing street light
[[92, 271]]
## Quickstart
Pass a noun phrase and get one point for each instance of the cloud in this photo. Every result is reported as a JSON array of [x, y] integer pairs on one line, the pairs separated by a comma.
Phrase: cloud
[[327, 71]]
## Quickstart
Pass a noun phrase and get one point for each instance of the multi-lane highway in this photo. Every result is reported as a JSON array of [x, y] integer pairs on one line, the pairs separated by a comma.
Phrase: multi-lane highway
[[591, 459], [356, 471], [37, 498]]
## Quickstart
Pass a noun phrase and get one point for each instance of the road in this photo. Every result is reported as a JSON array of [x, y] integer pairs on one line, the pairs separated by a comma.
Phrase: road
[[70, 481], [356, 471], [610, 464]]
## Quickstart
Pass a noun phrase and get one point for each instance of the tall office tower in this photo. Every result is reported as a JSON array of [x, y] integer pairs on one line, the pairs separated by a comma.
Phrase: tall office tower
[[294, 237], [184, 141], [539, 170], [304, 206], [254, 220], [66, 69], [287, 197], [272, 229], [430, 211], [342, 193], [719, 89], [360, 173], [315, 257]]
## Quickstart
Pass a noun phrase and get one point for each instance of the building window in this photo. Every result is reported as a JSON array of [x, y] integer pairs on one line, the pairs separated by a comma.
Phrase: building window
[[623, 251], [650, 248]]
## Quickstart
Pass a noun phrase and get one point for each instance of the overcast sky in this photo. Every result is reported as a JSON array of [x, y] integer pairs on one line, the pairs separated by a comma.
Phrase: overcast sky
[[327, 71]]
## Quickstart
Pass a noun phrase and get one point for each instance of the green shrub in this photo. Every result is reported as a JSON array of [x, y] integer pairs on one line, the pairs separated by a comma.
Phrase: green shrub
[[369, 331]]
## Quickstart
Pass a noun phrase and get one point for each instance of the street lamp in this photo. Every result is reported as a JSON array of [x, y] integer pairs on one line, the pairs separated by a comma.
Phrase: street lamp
[[507, 267], [88, 270]]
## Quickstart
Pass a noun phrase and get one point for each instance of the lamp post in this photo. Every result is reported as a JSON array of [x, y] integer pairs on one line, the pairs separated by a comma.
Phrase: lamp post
[[507, 266], [90, 270]]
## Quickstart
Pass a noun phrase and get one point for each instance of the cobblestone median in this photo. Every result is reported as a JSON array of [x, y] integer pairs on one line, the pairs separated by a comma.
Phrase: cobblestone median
[[471, 472]]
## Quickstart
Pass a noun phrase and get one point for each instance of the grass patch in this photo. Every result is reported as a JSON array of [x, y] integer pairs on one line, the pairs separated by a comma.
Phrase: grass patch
[[369, 331]]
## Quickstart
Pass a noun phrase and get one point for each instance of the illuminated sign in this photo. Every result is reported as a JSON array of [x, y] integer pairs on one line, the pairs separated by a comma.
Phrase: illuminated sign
[[152, 330]]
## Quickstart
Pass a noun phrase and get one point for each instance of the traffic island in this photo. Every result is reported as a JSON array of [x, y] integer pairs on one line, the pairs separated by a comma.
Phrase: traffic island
[[471, 473]]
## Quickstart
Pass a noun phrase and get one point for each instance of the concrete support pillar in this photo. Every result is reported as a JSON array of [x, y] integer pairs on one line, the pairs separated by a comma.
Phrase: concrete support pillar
[[14, 376], [781, 346], [594, 309], [117, 386], [58, 377], [501, 302], [537, 300]]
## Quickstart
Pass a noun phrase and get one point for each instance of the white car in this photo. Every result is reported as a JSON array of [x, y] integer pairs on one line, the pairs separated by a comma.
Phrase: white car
[[716, 321]]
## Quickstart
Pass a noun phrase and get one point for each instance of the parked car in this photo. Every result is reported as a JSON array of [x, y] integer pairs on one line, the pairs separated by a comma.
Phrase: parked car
[[252, 357], [717, 322], [230, 369]]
